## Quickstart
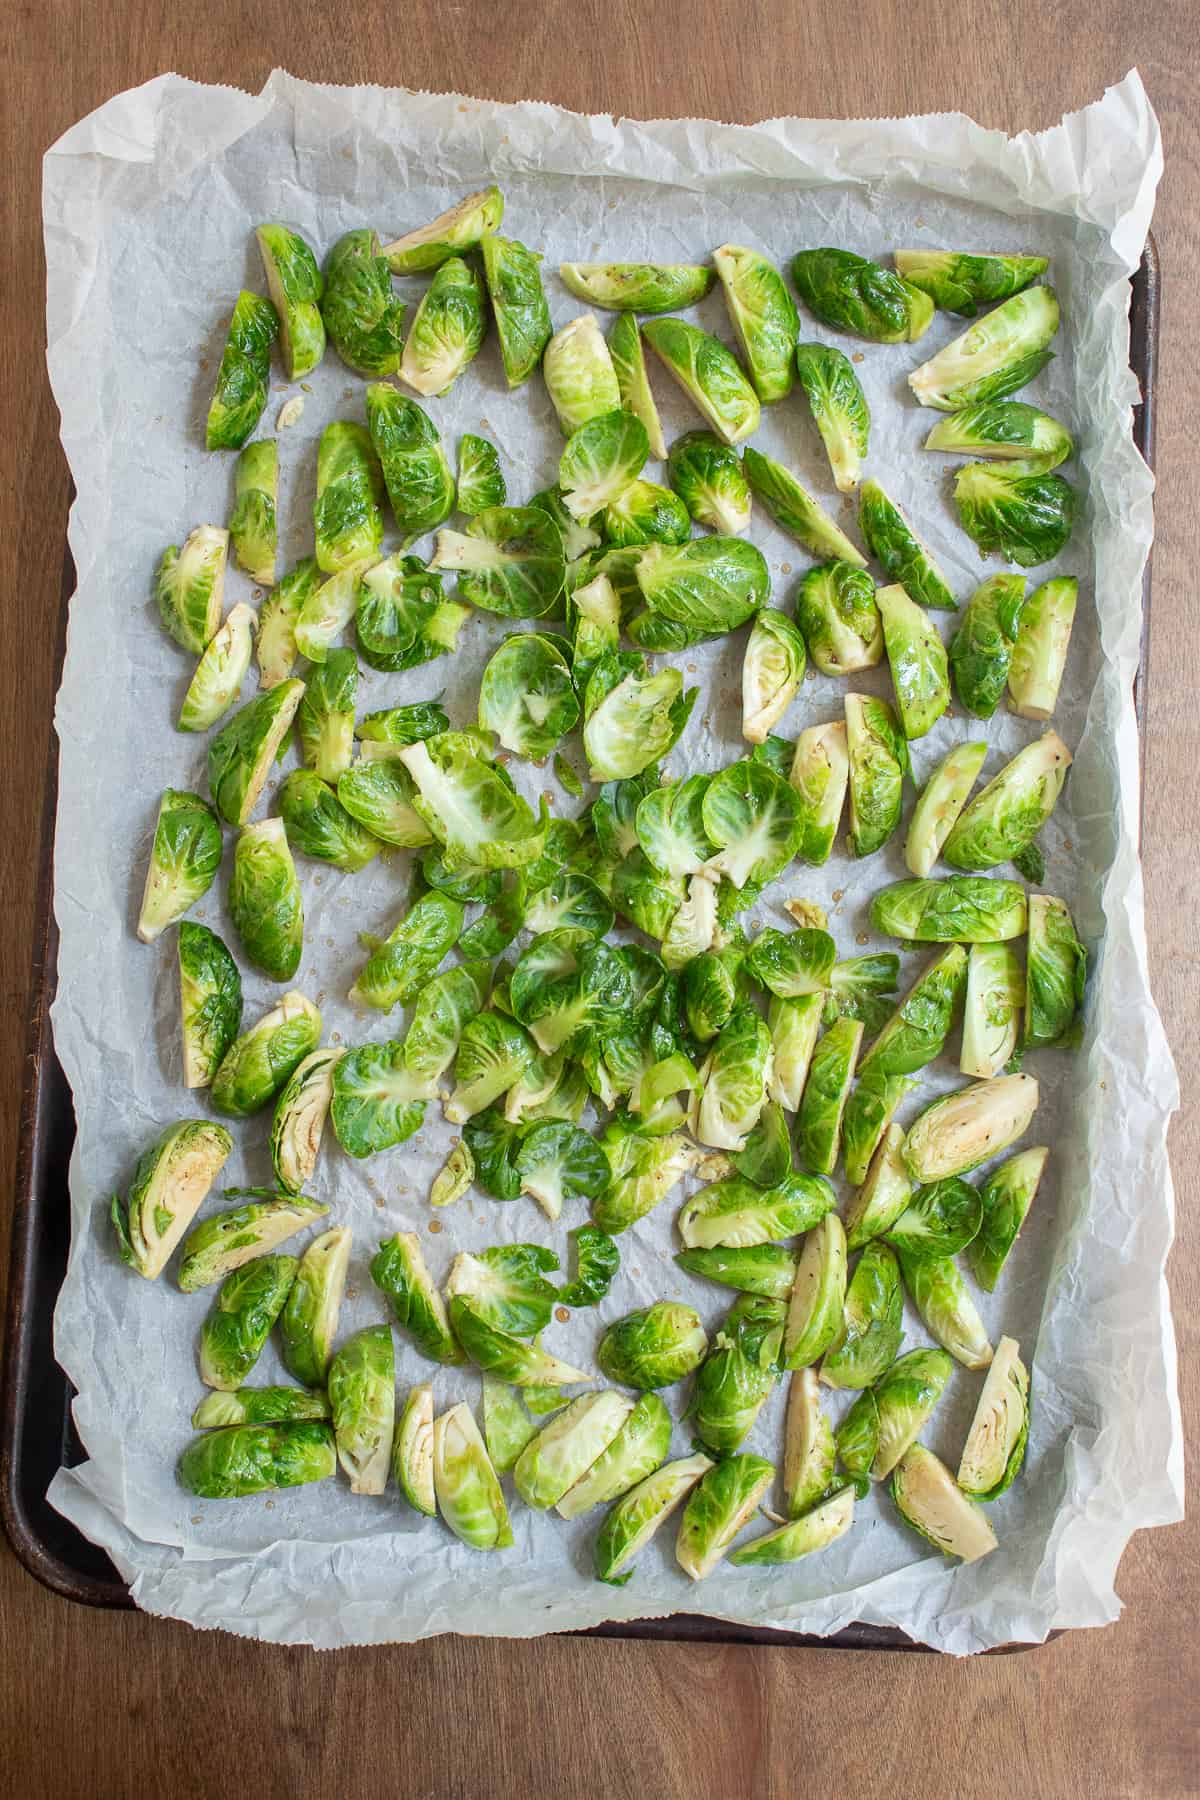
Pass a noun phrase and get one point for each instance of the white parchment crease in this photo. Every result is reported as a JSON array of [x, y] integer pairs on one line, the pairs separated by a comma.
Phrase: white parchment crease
[[149, 209]]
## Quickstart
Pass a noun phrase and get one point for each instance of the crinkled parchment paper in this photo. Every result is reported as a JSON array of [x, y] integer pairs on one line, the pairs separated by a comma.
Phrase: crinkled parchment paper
[[149, 207]]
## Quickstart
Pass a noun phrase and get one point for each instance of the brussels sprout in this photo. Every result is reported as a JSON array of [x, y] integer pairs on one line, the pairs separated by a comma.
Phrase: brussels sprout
[[644, 1170], [210, 991], [461, 227], [443, 1009], [653, 1347], [259, 1062], [220, 672], [808, 1455], [399, 967], [766, 1159], [184, 858], [264, 899], [646, 513], [725, 1499], [904, 1399], [632, 719], [733, 1080], [1030, 864], [868, 1114], [469, 1496], [596, 613], [670, 827], [454, 1178], [564, 1451], [763, 316], [939, 1221], [377, 1100], [1004, 428], [557, 1162], [851, 293], [736, 1214], [169, 1186], [502, 1353], [966, 909], [509, 561], [793, 1025], [1027, 516], [398, 1269], [754, 819], [709, 375], [507, 1426], [319, 825], [401, 617], [299, 1121], [1039, 655], [1056, 971], [995, 996], [647, 900], [252, 525], [480, 477], [257, 1459], [635, 1452], [817, 1529], [998, 355], [737, 1376], [447, 330], [965, 1128], [711, 584], [767, 1269], [412, 1451], [929, 1500], [708, 477], [327, 610], [579, 373], [248, 1303], [416, 470], [819, 775], [258, 1406], [962, 282], [878, 762], [506, 1287], [795, 511], [856, 1439], [245, 372], [379, 794], [860, 988], [570, 902], [308, 1322], [190, 587], [398, 726], [519, 306], [895, 545], [949, 1314], [916, 1032], [325, 723], [637, 287], [1005, 1197], [596, 1260], [917, 659], [633, 386], [363, 317], [526, 696], [578, 540], [493, 1051], [814, 1315], [884, 1194], [242, 753], [940, 802], [347, 517], [471, 810], [710, 990], [568, 993], [1010, 811], [792, 963], [772, 671], [823, 1103], [601, 459], [839, 409], [296, 289], [995, 1447], [635, 1518], [836, 611], [229, 1239]]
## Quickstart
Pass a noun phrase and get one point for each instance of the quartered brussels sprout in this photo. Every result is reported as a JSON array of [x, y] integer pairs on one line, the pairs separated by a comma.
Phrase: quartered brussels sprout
[[398, 1269], [244, 375], [763, 315], [795, 511], [328, 609], [509, 560], [461, 227], [961, 281], [904, 1400], [363, 317], [325, 721], [836, 611], [399, 967], [493, 1053], [635, 1518], [839, 409], [917, 659], [299, 1121], [190, 587], [851, 293], [808, 1453], [447, 330], [308, 1322], [772, 670], [708, 477], [184, 858], [814, 1313], [1039, 655], [579, 373], [264, 899], [241, 755], [235, 1332], [966, 909], [378, 792], [259, 1062], [815, 1530], [1010, 811], [319, 826], [506, 1287], [884, 1194], [229, 1239], [878, 762], [637, 287], [296, 288], [1005, 1197], [210, 992], [754, 818], [792, 963], [823, 1103], [526, 695], [220, 672], [632, 717], [768, 1269], [480, 478], [709, 375], [644, 1170], [514, 285], [895, 545], [633, 384], [507, 1426], [939, 804], [995, 1447], [469, 1496], [257, 1459], [995, 997], [872, 1322], [766, 1159], [725, 1499], [412, 1451], [965, 1128], [348, 516], [362, 1400], [1055, 974], [793, 1025], [1026, 516], [169, 1186], [939, 1221], [416, 469], [253, 531], [1007, 428], [737, 1376], [916, 1032], [653, 1347], [929, 1500], [635, 1452], [258, 1406], [995, 357], [646, 513], [564, 1450], [819, 776], [378, 1102], [949, 1314], [733, 1082], [981, 649], [868, 1114]]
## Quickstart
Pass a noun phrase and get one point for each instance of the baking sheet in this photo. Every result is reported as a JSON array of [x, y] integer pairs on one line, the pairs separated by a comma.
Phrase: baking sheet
[[149, 210]]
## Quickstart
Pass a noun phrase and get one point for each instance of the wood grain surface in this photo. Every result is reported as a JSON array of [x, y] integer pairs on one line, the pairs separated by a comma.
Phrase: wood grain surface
[[106, 1706]]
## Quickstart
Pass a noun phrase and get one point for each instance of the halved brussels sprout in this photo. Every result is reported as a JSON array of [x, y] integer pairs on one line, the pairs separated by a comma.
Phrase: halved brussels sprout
[[754, 818], [733, 1083], [296, 288], [653, 1347], [637, 287], [710, 991], [884, 1194], [299, 1121], [772, 670], [398, 1269], [867, 1116], [993, 358], [839, 409], [725, 1499], [878, 762], [814, 1315], [995, 996], [493, 1052], [819, 776], [822, 1526], [244, 375], [995, 1447], [257, 1459], [795, 511], [596, 618], [348, 519], [635, 1518], [940, 802], [670, 827], [966, 909], [480, 478], [917, 659], [184, 858], [506, 1286], [461, 227], [253, 531], [526, 695], [793, 1025], [235, 1332], [579, 373], [229, 1239], [220, 672], [851, 293], [708, 477], [1010, 811], [961, 1130], [895, 545], [377, 1100], [633, 385], [768, 1269], [416, 469], [210, 992], [259, 1062], [949, 1314], [469, 1496], [258, 1406], [1055, 975], [808, 1452], [412, 1451], [1004, 428], [916, 1032], [632, 717], [169, 1186], [836, 611], [190, 587], [509, 560], [1005, 1197], [241, 755], [514, 285], [563, 1452], [308, 1322], [904, 1399], [763, 315], [264, 899], [792, 963], [326, 612], [709, 375], [447, 330], [963, 281], [1039, 655], [362, 315], [1026, 515], [928, 1498]]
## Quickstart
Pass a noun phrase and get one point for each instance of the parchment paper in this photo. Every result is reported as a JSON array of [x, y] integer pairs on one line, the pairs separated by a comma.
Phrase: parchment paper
[[149, 207]]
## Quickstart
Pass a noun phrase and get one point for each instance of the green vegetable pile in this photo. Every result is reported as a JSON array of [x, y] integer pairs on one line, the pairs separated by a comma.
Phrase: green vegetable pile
[[584, 998]]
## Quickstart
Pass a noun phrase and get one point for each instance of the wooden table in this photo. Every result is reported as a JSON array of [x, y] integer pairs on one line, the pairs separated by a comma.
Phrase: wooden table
[[105, 1706]]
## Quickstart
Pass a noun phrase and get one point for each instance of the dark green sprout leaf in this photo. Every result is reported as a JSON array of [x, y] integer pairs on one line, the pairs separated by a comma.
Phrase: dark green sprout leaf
[[766, 1158], [940, 1220], [961, 282], [1056, 973], [509, 561], [596, 1259], [362, 315], [377, 1103], [348, 517], [981, 649], [1026, 517], [244, 375], [416, 470], [519, 306], [895, 545], [851, 293], [507, 1286], [839, 409], [480, 477]]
